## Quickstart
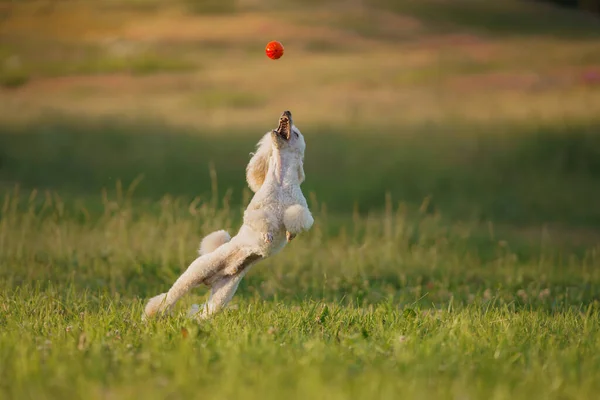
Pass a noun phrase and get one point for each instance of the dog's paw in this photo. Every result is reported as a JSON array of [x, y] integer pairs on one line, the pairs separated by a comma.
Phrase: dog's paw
[[289, 236], [194, 310], [268, 237], [155, 305], [199, 312], [297, 218]]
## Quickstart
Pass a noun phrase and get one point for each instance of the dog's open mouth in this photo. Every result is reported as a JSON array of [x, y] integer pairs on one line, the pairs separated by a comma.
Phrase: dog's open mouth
[[284, 130]]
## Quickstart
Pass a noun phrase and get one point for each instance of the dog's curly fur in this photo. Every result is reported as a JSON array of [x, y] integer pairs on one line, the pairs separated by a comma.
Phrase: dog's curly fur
[[276, 214]]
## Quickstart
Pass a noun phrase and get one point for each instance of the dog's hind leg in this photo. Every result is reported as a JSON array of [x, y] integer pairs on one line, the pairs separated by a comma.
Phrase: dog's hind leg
[[201, 269], [223, 289], [227, 260], [221, 294], [261, 221]]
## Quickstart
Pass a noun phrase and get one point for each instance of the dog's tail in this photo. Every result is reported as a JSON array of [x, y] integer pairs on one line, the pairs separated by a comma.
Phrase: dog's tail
[[213, 241]]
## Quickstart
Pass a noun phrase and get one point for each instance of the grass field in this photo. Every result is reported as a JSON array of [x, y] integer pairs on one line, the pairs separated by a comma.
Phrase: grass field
[[452, 168], [389, 307]]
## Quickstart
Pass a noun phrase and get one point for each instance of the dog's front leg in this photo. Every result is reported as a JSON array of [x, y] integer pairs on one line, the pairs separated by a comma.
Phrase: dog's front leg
[[296, 219]]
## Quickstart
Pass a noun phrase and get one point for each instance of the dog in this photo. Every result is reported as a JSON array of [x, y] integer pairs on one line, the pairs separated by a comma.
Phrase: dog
[[277, 213]]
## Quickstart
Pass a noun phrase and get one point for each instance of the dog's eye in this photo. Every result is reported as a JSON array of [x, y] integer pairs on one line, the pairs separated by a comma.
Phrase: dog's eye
[[296, 133]]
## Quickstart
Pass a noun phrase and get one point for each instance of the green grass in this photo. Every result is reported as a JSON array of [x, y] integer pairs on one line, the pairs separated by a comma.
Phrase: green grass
[[140, 64], [448, 260], [522, 175], [11, 78], [44, 58], [397, 305], [413, 299], [219, 98]]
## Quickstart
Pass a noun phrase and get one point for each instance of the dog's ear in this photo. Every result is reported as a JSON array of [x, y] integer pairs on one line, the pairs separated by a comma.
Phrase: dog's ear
[[257, 168]]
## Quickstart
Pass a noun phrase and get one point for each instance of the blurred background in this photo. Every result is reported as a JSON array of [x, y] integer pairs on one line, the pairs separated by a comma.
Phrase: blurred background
[[472, 110]]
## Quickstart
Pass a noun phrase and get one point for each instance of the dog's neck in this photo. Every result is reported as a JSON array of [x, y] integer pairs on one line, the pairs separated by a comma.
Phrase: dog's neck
[[283, 168]]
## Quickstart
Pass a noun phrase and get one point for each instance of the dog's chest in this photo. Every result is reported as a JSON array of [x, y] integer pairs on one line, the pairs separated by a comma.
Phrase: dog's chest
[[277, 197]]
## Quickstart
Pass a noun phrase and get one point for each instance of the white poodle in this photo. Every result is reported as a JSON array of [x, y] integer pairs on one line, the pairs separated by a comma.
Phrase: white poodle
[[276, 214]]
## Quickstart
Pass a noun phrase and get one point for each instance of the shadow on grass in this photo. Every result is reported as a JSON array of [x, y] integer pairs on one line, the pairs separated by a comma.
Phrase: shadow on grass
[[516, 175]]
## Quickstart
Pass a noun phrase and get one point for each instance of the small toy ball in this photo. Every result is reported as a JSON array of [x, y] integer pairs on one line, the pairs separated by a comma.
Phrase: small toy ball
[[274, 50]]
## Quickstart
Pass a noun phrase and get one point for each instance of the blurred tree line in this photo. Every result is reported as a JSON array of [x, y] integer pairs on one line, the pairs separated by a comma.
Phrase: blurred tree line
[[586, 5]]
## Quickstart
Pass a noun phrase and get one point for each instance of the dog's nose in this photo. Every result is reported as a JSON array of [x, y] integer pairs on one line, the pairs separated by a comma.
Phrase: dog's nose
[[287, 113]]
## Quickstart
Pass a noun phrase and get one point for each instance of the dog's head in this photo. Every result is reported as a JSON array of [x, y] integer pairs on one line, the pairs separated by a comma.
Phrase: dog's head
[[287, 141]]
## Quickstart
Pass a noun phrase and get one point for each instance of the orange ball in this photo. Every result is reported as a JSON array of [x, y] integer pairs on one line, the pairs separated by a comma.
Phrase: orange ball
[[274, 50]]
